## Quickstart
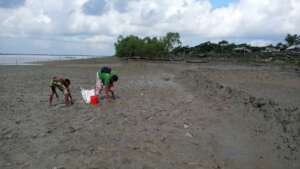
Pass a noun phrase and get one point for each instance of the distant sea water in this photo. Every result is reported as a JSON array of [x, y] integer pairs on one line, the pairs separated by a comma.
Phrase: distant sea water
[[28, 59]]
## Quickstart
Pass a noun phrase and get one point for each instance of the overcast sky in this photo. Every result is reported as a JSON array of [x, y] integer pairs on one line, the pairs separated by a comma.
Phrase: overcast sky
[[92, 26]]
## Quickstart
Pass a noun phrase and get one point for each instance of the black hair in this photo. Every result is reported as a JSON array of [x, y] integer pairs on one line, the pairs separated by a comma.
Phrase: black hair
[[68, 81], [114, 78]]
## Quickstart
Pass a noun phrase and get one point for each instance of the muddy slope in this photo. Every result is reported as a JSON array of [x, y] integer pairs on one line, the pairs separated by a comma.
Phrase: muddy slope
[[252, 132]]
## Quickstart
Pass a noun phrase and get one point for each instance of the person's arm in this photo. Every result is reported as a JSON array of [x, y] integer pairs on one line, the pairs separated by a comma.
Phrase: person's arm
[[113, 95], [70, 96], [111, 89], [50, 99], [106, 89], [99, 85]]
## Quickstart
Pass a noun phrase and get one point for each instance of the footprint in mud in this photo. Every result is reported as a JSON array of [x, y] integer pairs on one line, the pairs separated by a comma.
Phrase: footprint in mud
[[8, 134], [61, 105], [43, 101], [58, 106]]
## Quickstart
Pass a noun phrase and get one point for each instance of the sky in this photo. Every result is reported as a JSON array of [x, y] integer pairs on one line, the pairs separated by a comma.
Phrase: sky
[[92, 26]]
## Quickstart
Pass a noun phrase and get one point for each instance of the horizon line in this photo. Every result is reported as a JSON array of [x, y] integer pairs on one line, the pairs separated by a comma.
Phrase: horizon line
[[47, 54]]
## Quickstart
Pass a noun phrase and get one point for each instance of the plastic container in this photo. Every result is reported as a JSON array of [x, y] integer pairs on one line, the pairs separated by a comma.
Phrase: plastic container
[[94, 100], [86, 94]]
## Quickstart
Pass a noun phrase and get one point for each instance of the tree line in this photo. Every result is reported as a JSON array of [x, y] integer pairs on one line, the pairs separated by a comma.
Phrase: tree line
[[150, 47], [292, 39], [170, 45]]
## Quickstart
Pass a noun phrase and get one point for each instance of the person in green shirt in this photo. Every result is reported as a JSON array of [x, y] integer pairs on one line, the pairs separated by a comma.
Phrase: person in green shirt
[[106, 80]]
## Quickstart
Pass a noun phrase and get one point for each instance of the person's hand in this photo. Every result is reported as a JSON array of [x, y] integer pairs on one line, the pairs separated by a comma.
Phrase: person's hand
[[112, 88]]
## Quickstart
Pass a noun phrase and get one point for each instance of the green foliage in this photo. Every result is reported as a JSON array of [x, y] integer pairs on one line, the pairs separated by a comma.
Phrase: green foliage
[[205, 47], [221, 47], [128, 46], [171, 40], [181, 50], [170, 44], [223, 43], [147, 47], [292, 39]]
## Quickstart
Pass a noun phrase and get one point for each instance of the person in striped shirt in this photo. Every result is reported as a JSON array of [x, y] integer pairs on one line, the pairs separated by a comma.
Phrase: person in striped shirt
[[62, 84]]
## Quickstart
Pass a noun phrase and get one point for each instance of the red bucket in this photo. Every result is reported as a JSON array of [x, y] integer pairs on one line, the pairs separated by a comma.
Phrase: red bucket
[[94, 100]]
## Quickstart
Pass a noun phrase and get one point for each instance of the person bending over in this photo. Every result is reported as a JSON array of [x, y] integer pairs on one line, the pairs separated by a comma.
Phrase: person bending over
[[106, 80], [63, 85]]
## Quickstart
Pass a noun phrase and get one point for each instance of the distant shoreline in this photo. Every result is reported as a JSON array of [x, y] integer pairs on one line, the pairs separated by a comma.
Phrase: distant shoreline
[[28, 59], [45, 54]]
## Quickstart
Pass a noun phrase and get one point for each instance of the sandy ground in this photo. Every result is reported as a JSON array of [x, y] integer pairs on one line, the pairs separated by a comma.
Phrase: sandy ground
[[166, 116]]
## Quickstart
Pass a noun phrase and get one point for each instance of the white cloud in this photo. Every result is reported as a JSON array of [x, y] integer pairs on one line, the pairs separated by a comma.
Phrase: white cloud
[[255, 20]]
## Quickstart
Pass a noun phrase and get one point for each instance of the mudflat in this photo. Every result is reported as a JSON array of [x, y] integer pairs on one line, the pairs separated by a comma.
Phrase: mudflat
[[166, 116]]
